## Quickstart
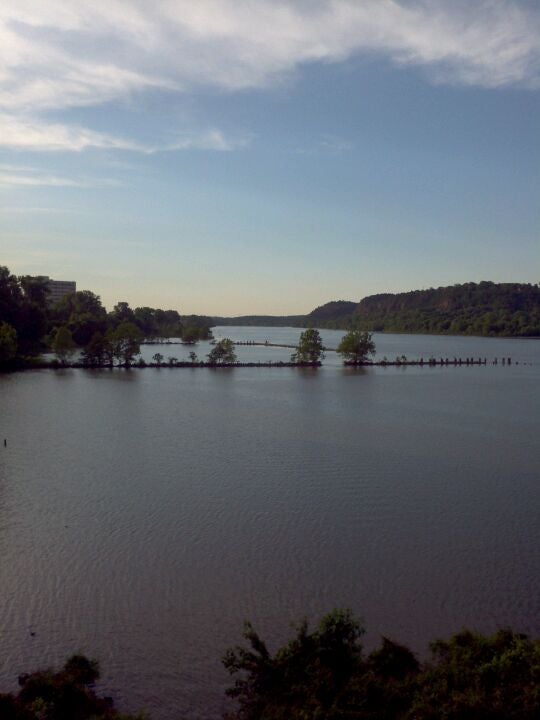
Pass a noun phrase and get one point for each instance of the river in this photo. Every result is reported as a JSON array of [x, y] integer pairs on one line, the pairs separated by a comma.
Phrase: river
[[144, 514]]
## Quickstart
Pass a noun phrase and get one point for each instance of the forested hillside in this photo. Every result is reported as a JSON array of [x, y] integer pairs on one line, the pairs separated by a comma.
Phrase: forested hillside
[[261, 320], [486, 308], [335, 311]]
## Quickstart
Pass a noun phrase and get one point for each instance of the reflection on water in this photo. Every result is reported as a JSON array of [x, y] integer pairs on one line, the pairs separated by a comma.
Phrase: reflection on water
[[145, 514]]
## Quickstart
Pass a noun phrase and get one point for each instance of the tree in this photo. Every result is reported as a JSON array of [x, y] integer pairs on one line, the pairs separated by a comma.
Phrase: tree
[[356, 346], [304, 678], [156, 323], [82, 313], [122, 313], [66, 694], [11, 297], [63, 345], [222, 352], [109, 347], [485, 678], [190, 335], [323, 674], [8, 342], [310, 348], [200, 324], [35, 288], [96, 352], [126, 341], [193, 357], [158, 358]]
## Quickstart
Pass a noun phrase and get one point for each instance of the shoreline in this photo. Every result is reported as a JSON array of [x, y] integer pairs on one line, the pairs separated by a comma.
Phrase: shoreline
[[432, 362]]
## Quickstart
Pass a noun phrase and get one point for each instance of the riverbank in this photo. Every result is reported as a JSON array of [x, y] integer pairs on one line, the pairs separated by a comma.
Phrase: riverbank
[[36, 364]]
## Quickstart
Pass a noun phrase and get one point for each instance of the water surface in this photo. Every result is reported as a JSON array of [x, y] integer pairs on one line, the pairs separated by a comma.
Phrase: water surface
[[145, 514]]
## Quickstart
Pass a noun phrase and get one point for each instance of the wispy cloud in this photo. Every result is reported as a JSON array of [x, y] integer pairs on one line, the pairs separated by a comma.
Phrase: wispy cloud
[[327, 145], [22, 176], [33, 210], [64, 54], [22, 133]]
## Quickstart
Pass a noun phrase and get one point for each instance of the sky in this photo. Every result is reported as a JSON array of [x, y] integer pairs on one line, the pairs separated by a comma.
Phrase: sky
[[230, 157]]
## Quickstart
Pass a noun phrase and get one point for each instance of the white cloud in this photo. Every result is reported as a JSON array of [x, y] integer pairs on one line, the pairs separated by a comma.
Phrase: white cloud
[[209, 140], [22, 133], [62, 54], [327, 144], [32, 210], [13, 176]]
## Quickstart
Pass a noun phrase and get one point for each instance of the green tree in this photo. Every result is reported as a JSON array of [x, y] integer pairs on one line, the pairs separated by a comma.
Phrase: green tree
[[145, 319], [35, 288], [324, 675], [82, 313], [222, 352], [126, 339], [191, 335], [303, 678], [485, 678], [95, 352], [32, 314], [109, 347], [63, 345], [199, 323], [65, 695], [121, 313], [310, 347], [356, 346], [8, 342], [11, 297]]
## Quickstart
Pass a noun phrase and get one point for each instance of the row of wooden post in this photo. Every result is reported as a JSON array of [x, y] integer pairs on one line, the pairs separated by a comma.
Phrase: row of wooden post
[[460, 361]]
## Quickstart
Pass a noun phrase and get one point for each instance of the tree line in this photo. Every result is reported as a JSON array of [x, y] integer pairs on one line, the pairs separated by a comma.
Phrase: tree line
[[324, 673], [485, 308], [356, 346], [30, 324]]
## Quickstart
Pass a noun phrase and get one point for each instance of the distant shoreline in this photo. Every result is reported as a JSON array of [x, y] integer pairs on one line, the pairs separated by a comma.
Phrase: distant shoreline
[[374, 332]]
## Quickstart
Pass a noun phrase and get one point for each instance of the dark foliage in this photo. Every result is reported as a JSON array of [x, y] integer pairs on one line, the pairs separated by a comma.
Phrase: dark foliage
[[486, 308], [65, 695], [310, 347], [261, 320], [324, 675], [335, 311], [30, 324]]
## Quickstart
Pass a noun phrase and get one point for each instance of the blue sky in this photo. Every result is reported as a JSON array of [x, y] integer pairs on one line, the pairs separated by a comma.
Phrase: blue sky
[[229, 157]]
